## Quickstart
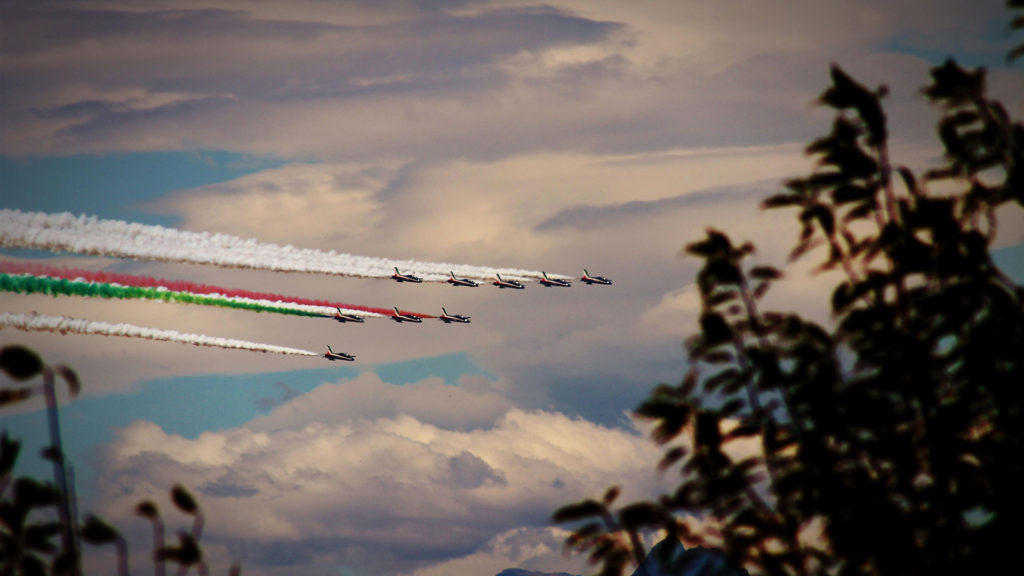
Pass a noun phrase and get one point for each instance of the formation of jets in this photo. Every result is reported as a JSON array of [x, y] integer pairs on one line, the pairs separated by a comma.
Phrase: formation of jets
[[332, 355], [445, 316], [500, 283]]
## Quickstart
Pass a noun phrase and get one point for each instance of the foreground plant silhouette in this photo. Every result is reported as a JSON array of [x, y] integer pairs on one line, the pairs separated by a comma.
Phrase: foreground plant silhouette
[[27, 531], [891, 442]]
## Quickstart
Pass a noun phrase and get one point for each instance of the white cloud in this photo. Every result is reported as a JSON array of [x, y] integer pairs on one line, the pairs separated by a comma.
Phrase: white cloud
[[386, 485], [335, 202], [528, 548]]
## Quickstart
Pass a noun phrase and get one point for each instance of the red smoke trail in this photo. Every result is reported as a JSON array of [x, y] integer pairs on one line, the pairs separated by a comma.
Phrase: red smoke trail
[[19, 267]]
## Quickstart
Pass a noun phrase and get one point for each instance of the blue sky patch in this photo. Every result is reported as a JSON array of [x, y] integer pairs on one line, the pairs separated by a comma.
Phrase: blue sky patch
[[190, 405], [114, 186]]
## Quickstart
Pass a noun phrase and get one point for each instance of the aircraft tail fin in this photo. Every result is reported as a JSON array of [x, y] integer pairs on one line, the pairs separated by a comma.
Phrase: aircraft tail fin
[[329, 349], [585, 273], [443, 310]]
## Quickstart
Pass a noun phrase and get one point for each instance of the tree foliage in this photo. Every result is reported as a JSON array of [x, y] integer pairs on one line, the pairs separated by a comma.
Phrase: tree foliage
[[896, 430], [27, 505]]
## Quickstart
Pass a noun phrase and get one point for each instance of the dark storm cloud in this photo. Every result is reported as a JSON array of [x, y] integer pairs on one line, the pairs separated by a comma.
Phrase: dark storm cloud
[[31, 28], [112, 117], [233, 51]]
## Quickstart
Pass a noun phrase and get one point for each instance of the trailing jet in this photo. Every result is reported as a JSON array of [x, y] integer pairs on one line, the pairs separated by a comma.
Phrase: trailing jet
[[342, 317], [449, 318], [508, 283], [549, 282], [399, 317], [594, 279], [405, 277], [332, 355], [462, 281]]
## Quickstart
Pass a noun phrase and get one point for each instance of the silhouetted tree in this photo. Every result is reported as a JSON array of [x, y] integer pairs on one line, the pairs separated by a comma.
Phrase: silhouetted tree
[[896, 431], [27, 531]]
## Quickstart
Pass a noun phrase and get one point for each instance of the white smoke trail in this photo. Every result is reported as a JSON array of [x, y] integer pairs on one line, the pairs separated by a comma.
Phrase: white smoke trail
[[64, 324], [90, 235]]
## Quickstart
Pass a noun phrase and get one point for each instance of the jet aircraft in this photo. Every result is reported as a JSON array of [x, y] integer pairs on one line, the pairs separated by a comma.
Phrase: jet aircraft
[[342, 317], [449, 318], [398, 276], [508, 283], [399, 317], [462, 281], [554, 282], [332, 355], [590, 280]]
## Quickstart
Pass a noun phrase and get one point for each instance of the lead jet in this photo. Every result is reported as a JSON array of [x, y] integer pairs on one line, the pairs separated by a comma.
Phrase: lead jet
[[553, 282], [508, 283], [462, 281], [449, 318], [332, 355], [342, 317], [594, 279], [398, 276], [399, 317]]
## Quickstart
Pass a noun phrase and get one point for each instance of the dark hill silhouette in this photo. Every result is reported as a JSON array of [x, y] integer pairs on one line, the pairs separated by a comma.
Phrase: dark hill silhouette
[[521, 572], [670, 558]]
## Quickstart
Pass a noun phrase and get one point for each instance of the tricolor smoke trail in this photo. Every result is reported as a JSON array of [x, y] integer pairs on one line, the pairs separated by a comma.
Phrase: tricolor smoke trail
[[62, 287], [313, 306], [90, 235], [64, 324]]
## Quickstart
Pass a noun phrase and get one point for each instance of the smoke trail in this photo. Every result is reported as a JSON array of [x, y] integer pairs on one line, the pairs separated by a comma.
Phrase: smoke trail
[[90, 235], [313, 305], [64, 324], [62, 287]]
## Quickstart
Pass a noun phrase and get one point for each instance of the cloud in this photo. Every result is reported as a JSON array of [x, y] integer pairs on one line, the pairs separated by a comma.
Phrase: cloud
[[377, 491], [337, 202], [581, 217], [483, 80], [475, 403], [528, 548]]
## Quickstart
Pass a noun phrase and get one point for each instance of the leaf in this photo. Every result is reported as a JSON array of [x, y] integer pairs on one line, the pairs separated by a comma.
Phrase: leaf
[[671, 457], [610, 495], [183, 500], [147, 509], [765, 273], [71, 377], [19, 362], [641, 515], [782, 200], [9, 396], [578, 511], [96, 531], [33, 494], [715, 328]]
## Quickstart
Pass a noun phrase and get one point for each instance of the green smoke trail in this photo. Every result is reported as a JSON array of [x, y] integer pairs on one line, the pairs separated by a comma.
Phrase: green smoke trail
[[61, 287]]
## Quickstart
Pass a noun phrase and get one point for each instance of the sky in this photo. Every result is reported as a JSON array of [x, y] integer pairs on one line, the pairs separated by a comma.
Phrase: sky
[[556, 136]]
